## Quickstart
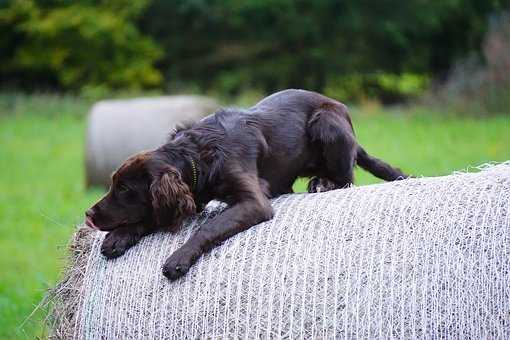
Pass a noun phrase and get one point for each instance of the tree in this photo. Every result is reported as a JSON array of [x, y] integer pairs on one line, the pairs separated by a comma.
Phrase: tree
[[274, 44], [73, 45]]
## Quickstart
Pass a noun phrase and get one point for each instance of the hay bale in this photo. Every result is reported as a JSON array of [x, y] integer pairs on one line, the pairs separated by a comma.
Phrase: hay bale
[[120, 128], [424, 257]]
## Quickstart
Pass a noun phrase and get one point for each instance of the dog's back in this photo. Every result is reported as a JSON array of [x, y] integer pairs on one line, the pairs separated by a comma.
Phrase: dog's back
[[293, 133]]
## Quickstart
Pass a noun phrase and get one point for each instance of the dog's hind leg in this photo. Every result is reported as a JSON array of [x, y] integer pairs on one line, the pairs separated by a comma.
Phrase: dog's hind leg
[[330, 127]]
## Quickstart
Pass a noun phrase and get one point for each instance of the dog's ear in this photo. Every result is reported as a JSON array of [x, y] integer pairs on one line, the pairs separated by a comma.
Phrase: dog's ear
[[171, 197]]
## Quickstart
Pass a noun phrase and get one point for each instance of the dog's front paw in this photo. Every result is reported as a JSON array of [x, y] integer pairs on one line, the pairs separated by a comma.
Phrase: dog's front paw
[[117, 242], [179, 263]]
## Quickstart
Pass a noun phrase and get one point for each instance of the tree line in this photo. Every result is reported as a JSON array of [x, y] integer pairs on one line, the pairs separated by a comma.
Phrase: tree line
[[388, 49]]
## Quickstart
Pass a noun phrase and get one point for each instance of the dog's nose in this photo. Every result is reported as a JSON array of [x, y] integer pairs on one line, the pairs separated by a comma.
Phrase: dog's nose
[[89, 213], [88, 219]]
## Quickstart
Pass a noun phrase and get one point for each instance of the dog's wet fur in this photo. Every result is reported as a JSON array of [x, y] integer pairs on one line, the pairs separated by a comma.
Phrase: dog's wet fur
[[242, 157]]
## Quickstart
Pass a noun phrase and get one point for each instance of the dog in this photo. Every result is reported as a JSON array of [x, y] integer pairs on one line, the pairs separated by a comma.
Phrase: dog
[[242, 157]]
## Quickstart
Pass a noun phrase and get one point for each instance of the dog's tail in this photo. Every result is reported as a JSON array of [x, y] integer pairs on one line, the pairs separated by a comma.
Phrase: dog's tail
[[378, 167]]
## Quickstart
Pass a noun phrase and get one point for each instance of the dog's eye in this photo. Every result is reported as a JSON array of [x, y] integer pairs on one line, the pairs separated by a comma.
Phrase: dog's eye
[[123, 189]]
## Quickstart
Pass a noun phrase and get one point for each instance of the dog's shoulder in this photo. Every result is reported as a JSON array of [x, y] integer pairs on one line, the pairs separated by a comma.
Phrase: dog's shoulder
[[225, 119]]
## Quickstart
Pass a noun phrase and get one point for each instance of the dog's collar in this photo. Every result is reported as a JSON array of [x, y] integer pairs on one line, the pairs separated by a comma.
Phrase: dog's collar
[[194, 175]]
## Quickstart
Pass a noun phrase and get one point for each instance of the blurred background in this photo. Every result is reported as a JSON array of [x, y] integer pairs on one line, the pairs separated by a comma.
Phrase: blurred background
[[427, 82]]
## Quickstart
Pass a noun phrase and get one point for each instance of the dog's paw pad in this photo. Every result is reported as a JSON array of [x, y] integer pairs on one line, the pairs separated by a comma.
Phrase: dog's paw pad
[[314, 185], [179, 263], [174, 272]]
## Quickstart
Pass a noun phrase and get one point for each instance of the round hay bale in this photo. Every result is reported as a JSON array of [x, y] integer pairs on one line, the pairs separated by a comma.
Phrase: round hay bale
[[120, 128], [418, 258]]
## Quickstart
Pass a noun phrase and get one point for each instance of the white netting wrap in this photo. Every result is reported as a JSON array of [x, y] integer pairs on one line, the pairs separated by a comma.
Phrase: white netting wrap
[[424, 257]]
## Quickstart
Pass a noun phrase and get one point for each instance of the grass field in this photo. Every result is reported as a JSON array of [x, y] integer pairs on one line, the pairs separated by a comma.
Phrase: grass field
[[42, 195]]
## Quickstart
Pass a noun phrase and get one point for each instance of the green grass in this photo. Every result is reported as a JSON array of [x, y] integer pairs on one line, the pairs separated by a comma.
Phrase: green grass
[[42, 195], [427, 143]]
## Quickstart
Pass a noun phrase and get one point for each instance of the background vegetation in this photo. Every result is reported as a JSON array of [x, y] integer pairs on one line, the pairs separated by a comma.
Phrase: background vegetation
[[428, 83], [353, 49]]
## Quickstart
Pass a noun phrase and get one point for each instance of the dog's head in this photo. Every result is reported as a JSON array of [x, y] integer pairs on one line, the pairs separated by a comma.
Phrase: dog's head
[[144, 191]]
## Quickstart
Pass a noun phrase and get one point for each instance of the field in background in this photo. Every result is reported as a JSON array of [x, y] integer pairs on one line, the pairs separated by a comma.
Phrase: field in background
[[42, 196]]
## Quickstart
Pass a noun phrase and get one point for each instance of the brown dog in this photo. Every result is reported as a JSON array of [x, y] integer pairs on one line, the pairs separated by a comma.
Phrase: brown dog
[[241, 157]]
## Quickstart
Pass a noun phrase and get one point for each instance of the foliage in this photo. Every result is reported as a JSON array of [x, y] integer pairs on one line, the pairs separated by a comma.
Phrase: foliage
[[481, 84], [75, 45], [386, 87], [371, 48], [360, 49]]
